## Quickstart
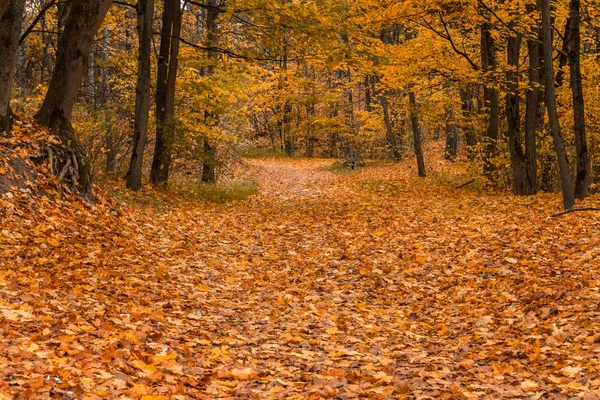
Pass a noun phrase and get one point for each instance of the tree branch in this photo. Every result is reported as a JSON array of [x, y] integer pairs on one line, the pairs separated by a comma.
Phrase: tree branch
[[125, 4], [36, 20], [446, 36]]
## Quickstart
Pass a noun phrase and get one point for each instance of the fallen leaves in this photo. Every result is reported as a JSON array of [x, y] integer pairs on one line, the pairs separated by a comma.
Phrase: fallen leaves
[[322, 286]]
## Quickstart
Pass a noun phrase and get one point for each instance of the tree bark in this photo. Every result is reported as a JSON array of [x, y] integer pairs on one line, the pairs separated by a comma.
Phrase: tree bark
[[534, 112], [145, 13], [573, 38], [81, 26], [11, 20], [550, 94], [209, 164], [3, 6], [165, 92], [491, 100], [519, 163], [414, 119]]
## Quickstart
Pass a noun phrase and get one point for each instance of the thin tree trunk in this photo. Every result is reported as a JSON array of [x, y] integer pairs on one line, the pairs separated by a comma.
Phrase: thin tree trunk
[[165, 92], [534, 113], [550, 91], [414, 119], [145, 13], [212, 40], [111, 154], [390, 134], [81, 26], [11, 20], [451, 136]]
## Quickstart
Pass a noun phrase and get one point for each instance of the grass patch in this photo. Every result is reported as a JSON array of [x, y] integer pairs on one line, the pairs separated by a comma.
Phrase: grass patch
[[221, 192], [339, 168]]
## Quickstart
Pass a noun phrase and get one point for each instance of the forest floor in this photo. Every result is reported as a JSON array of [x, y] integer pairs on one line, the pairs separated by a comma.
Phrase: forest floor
[[371, 284]]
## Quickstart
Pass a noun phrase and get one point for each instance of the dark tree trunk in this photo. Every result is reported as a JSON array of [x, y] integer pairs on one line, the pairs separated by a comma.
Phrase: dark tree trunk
[[519, 163], [11, 20], [389, 129], [3, 6], [209, 174], [414, 119], [81, 26], [534, 112], [451, 136], [467, 107], [145, 13], [209, 165], [288, 140], [550, 91], [491, 100], [165, 92], [573, 39]]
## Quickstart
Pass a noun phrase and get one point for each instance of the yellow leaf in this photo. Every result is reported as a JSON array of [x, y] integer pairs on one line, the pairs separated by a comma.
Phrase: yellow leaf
[[145, 367], [529, 385], [443, 330], [202, 287]]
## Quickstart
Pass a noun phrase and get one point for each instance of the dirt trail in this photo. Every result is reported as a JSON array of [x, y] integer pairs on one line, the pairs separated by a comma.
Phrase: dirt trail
[[371, 285], [283, 178]]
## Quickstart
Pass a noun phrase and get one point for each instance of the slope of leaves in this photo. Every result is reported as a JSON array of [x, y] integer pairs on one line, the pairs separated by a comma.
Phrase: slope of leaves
[[368, 285]]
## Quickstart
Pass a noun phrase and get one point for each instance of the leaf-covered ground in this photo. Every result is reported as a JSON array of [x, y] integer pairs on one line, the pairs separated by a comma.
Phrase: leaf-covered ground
[[366, 285]]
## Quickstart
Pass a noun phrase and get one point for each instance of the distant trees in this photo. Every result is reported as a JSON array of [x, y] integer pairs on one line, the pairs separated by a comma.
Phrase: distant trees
[[353, 79]]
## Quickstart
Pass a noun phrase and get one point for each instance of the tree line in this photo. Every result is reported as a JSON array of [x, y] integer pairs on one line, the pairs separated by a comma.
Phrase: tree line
[[159, 86]]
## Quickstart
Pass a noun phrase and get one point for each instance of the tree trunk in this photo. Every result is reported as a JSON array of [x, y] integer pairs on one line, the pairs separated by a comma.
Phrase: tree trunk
[[390, 134], [111, 154], [165, 92], [11, 20], [468, 112], [491, 100], [209, 174], [145, 13], [550, 91], [414, 119], [451, 136], [518, 159], [3, 6], [534, 112], [81, 26], [573, 39]]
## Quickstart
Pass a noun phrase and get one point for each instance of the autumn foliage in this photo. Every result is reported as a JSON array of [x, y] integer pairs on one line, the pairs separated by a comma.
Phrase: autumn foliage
[[299, 199]]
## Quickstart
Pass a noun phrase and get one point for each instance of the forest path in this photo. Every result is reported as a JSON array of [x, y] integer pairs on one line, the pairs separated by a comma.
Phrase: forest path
[[370, 285], [288, 178]]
